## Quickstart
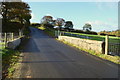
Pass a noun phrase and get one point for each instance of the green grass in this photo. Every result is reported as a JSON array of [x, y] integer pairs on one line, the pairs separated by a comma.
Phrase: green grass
[[50, 32], [9, 59], [112, 41], [99, 37], [114, 59], [92, 37], [42, 28], [2, 45]]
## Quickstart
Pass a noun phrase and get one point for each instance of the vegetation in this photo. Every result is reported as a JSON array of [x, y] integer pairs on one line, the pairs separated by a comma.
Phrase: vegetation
[[48, 22], [15, 16], [35, 24], [114, 59], [98, 37], [91, 36], [68, 26], [59, 22], [49, 31], [41, 28], [87, 27], [9, 59], [111, 33], [84, 32]]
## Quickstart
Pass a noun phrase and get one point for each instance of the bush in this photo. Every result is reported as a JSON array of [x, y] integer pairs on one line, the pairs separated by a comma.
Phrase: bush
[[48, 26], [12, 27], [78, 31], [112, 35], [85, 32], [103, 34], [35, 24], [91, 32]]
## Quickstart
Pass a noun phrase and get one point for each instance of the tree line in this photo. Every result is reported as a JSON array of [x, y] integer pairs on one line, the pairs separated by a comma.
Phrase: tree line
[[48, 22], [15, 16], [110, 33], [61, 24]]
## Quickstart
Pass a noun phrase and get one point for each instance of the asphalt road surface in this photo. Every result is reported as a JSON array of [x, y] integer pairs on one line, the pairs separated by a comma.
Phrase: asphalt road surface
[[45, 57]]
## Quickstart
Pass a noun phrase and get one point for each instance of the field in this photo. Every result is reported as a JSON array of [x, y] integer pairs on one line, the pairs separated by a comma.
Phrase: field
[[114, 42], [81, 35], [96, 37]]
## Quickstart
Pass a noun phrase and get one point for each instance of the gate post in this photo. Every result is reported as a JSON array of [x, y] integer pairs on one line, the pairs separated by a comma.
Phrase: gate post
[[12, 36], [5, 40], [106, 44]]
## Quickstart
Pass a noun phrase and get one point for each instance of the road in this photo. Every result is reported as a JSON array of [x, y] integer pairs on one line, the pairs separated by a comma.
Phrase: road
[[45, 57]]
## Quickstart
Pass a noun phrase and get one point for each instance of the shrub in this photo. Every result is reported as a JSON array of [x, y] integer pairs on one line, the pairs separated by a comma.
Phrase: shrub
[[12, 27], [103, 34], [78, 31], [91, 32]]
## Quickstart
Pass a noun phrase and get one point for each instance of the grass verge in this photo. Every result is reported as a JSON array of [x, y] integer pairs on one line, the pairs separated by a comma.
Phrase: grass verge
[[114, 59], [97, 37], [9, 59], [48, 31]]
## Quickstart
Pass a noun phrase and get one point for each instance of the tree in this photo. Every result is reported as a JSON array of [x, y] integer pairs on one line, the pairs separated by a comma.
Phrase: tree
[[59, 22], [46, 21], [87, 27], [68, 25], [15, 12]]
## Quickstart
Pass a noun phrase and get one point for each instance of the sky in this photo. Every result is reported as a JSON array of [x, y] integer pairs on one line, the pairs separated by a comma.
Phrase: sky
[[101, 15]]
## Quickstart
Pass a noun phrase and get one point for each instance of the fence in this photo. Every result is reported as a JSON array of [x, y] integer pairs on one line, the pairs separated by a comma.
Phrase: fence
[[114, 49], [111, 47], [6, 37], [61, 33]]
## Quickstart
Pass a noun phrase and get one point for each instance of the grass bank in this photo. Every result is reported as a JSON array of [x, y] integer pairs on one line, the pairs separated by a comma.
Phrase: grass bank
[[48, 31], [114, 59], [9, 59], [92, 37], [99, 37]]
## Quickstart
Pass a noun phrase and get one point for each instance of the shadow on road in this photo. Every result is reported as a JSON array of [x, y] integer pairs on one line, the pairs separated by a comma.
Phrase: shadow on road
[[46, 61], [31, 47]]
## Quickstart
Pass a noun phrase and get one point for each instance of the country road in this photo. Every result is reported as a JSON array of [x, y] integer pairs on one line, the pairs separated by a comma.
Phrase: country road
[[45, 57]]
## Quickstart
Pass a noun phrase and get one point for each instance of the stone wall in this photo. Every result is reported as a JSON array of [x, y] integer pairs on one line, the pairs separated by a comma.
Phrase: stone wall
[[13, 44], [96, 46]]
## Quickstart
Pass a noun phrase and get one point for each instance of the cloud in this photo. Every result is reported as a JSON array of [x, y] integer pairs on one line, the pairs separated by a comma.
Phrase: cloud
[[33, 19], [100, 25], [108, 5], [33, 16], [48, 15], [97, 22]]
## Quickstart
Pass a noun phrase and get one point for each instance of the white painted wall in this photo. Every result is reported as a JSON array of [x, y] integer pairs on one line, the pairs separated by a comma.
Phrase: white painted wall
[[14, 44]]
